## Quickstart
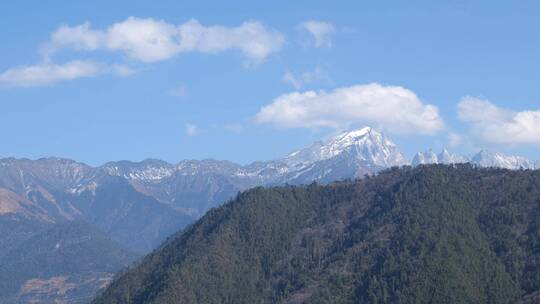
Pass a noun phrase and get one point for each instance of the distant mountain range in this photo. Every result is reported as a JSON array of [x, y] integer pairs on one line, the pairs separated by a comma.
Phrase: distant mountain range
[[139, 204], [483, 158]]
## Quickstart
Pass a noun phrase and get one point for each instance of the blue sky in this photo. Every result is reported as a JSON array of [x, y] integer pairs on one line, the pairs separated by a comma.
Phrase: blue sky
[[79, 80]]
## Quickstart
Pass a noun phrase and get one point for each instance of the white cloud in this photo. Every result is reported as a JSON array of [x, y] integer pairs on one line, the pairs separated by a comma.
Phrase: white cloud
[[191, 129], [146, 40], [395, 109], [48, 73], [320, 31], [498, 125], [79, 37], [318, 75], [252, 38], [150, 40]]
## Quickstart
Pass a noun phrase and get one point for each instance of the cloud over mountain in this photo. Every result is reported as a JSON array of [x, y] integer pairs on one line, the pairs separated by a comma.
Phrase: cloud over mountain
[[391, 108], [497, 125]]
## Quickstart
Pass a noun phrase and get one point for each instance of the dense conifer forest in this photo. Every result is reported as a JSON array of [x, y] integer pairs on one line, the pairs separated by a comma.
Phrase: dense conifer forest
[[430, 234]]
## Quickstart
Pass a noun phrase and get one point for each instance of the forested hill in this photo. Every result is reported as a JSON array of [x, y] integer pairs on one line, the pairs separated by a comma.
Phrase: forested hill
[[432, 234]]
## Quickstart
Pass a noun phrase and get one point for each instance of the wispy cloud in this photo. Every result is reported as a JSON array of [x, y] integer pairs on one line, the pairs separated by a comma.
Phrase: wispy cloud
[[497, 125], [49, 73], [321, 32], [46, 74], [191, 129], [141, 39], [150, 40], [318, 75], [395, 109]]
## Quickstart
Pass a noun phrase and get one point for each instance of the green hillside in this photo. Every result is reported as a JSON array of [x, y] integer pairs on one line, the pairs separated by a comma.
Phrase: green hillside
[[432, 234]]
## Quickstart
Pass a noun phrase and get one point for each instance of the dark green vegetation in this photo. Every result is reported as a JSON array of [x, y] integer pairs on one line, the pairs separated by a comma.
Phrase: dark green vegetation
[[433, 234], [67, 262]]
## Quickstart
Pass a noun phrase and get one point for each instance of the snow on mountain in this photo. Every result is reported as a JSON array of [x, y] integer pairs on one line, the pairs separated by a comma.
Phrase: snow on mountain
[[424, 158], [347, 155], [485, 158], [445, 157], [364, 144], [148, 170], [195, 186]]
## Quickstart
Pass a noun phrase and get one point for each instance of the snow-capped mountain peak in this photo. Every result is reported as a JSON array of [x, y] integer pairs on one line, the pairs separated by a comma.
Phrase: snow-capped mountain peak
[[349, 154], [350, 136], [424, 158], [483, 158], [486, 158], [364, 144], [445, 157]]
